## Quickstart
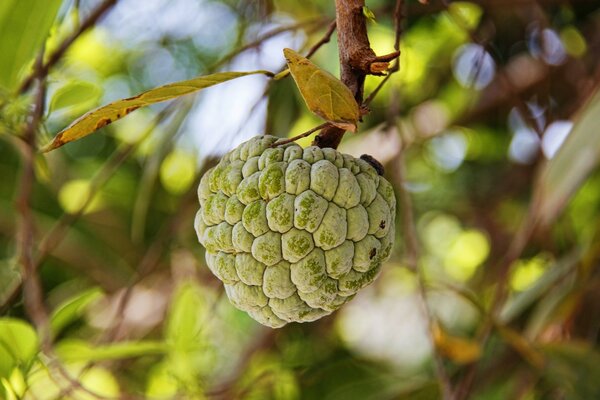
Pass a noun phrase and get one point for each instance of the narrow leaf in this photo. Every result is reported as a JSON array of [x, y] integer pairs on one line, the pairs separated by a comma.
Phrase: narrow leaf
[[102, 116], [74, 94], [368, 14], [563, 175], [324, 94], [458, 349], [72, 309], [10, 279], [18, 344], [24, 25], [79, 350]]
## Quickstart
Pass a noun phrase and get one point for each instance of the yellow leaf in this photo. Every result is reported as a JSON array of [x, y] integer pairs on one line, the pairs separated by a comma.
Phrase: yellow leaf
[[522, 346], [457, 349], [324, 94], [102, 116]]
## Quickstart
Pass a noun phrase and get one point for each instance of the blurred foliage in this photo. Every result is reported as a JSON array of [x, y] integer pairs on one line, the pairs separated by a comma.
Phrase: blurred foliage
[[486, 94]]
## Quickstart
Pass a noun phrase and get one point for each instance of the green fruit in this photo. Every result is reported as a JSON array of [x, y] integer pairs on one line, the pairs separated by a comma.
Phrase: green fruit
[[293, 233]]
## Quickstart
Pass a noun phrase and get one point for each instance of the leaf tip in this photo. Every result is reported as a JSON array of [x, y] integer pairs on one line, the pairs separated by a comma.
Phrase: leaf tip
[[290, 55], [54, 144]]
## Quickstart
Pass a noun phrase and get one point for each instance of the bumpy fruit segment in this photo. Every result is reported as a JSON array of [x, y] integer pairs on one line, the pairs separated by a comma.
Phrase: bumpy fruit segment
[[293, 233]]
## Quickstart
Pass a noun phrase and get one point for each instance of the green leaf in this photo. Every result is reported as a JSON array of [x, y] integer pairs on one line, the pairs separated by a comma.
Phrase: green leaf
[[519, 303], [10, 279], [75, 94], [574, 368], [18, 344], [102, 116], [563, 175], [324, 94], [72, 309], [368, 14], [24, 25], [184, 325], [79, 350]]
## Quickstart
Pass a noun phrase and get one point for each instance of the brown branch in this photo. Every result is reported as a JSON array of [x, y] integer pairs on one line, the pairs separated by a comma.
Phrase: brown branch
[[357, 59], [325, 39], [398, 19], [319, 22], [413, 255], [89, 22], [302, 135], [32, 287]]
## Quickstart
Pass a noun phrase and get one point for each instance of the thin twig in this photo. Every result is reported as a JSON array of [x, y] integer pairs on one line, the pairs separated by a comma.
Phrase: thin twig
[[325, 39], [398, 20], [300, 136], [412, 249], [259, 41], [32, 288], [89, 22], [412, 258]]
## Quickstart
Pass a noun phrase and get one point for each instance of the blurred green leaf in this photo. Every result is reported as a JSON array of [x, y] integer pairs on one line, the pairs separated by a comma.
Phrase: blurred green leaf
[[324, 94], [10, 279], [368, 14], [79, 350], [578, 156], [102, 116], [190, 354], [18, 344], [523, 300], [574, 368], [184, 325], [72, 309], [24, 25], [75, 94], [458, 349]]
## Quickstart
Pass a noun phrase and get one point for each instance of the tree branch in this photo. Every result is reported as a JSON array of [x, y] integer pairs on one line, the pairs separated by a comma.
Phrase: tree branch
[[357, 59], [32, 287]]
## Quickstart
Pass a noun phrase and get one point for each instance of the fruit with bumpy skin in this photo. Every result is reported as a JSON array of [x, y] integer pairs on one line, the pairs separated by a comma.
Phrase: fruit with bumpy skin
[[294, 233]]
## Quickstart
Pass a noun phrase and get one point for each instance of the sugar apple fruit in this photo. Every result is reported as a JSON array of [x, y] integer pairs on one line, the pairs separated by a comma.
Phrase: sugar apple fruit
[[293, 233]]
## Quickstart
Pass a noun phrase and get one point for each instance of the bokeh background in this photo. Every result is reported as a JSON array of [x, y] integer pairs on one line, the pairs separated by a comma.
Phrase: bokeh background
[[487, 93]]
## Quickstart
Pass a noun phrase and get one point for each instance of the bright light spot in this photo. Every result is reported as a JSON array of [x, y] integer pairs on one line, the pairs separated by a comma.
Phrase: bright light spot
[[73, 195], [91, 51], [467, 252], [473, 66], [386, 326], [547, 46], [231, 113], [177, 171], [573, 41], [448, 150], [161, 382], [526, 272], [467, 14], [438, 232], [412, 65], [430, 117], [132, 128], [523, 146], [554, 136]]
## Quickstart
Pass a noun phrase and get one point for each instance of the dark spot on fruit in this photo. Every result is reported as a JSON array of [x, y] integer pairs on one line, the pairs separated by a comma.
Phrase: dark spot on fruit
[[374, 163], [382, 224], [372, 253]]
